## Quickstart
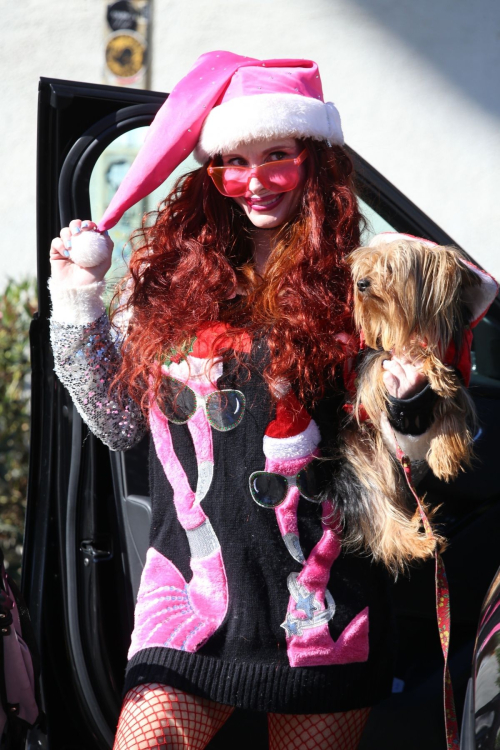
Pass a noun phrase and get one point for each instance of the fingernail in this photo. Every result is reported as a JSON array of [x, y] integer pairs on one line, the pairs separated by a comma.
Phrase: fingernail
[[76, 230], [67, 244], [85, 224], [66, 253]]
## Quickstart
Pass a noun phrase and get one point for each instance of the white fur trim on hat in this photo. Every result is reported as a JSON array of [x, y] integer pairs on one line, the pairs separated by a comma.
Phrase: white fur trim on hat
[[296, 446], [265, 117]]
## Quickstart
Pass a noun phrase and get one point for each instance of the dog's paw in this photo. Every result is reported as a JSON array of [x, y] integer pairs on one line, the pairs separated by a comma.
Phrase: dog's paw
[[442, 379]]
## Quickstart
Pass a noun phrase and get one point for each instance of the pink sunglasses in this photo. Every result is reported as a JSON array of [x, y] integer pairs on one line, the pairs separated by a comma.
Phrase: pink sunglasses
[[276, 176]]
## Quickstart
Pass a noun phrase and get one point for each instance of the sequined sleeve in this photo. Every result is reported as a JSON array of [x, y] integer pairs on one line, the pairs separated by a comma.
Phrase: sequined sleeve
[[86, 359]]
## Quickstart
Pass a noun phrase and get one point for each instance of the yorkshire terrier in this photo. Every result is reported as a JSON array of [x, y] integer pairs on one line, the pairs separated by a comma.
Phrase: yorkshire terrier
[[412, 300]]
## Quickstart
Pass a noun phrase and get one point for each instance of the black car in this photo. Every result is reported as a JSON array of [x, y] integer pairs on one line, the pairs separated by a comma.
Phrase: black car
[[89, 509]]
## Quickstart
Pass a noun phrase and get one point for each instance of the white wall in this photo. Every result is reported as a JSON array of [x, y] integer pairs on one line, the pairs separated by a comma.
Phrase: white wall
[[416, 85]]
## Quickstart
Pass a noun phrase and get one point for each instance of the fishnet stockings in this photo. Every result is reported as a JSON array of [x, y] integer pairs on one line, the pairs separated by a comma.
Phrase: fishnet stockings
[[161, 718], [338, 731], [155, 717]]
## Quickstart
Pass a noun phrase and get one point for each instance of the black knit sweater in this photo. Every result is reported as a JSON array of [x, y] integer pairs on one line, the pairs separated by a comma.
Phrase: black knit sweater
[[249, 605], [253, 657]]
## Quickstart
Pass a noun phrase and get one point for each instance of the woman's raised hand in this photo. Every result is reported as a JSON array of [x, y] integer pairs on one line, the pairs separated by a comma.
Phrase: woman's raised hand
[[78, 271]]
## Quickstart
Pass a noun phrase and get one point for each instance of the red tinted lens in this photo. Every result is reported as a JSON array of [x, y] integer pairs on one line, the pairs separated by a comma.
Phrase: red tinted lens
[[235, 180], [278, 176], [231, 181]]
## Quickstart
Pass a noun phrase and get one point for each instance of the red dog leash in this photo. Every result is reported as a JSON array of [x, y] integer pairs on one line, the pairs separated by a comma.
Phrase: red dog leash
[[442, 611]]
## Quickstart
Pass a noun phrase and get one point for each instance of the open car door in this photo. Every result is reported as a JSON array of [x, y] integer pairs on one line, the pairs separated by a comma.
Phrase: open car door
[[88, 507]]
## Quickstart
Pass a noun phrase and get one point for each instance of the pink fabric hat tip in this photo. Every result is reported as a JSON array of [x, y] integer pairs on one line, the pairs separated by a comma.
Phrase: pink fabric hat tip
[[226, 100]]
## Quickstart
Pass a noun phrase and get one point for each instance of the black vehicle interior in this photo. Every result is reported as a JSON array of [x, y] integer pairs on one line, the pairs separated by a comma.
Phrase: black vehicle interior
[[89, 509]]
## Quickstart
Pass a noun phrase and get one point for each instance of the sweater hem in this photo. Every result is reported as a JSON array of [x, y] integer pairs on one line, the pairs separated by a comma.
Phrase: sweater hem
[[271, 688]]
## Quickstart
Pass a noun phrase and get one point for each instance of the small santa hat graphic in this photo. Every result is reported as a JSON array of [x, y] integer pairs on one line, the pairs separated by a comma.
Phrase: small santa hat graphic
[[479, 298], [223, 101], [292, 433]]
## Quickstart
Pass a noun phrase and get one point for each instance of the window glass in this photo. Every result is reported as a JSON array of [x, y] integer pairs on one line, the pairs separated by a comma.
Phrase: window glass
[[109, 171], [375, 224]]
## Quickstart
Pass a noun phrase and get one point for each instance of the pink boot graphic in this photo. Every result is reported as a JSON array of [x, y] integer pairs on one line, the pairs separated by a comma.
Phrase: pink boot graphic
[[291, 445]]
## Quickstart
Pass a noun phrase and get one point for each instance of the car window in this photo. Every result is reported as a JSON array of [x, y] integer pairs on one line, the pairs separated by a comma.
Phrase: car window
[[375, 223], [109, 171]]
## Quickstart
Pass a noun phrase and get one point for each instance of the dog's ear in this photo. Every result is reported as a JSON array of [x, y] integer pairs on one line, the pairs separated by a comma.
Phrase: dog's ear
[[478, 289], [441, 274], [470, 278], [438, 292]]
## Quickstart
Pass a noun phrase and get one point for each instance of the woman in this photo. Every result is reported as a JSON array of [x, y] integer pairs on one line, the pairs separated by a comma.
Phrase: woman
[[238, 320]]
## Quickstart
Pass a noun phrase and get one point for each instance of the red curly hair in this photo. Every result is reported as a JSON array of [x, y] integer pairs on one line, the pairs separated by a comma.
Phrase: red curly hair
[[187, 264]]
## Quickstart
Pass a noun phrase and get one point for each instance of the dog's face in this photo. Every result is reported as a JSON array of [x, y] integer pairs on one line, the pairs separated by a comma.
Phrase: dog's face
[[406, 293]]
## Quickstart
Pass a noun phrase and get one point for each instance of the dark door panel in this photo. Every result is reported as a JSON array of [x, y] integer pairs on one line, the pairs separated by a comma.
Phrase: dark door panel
[[75, 574]]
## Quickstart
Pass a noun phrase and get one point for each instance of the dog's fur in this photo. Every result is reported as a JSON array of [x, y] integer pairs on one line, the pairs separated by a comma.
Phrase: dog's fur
[[408, 301]]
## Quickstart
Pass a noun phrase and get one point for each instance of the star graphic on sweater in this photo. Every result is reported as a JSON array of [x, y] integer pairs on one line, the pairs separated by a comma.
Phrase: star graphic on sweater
[[306, 604], [291, 626]]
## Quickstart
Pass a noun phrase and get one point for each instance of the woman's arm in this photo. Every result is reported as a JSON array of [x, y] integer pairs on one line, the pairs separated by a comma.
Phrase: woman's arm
[[86, 353]]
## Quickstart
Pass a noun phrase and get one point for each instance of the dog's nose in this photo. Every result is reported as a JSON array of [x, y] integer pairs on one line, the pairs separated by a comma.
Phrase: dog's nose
[[363, 284]]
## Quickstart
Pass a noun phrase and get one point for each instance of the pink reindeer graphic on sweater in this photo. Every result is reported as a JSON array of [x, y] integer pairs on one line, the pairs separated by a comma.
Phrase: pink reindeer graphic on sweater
[[171, 612], [291, 445]]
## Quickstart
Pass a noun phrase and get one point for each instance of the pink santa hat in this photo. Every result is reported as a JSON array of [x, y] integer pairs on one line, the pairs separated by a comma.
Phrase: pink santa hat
[[293, 433], [223, 101]]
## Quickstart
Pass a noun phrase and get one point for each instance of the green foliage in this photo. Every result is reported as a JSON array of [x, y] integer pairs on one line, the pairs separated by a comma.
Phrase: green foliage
[[17, 305]]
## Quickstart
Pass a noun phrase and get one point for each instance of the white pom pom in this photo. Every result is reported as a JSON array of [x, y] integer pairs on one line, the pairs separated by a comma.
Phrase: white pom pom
[[90, 248]]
